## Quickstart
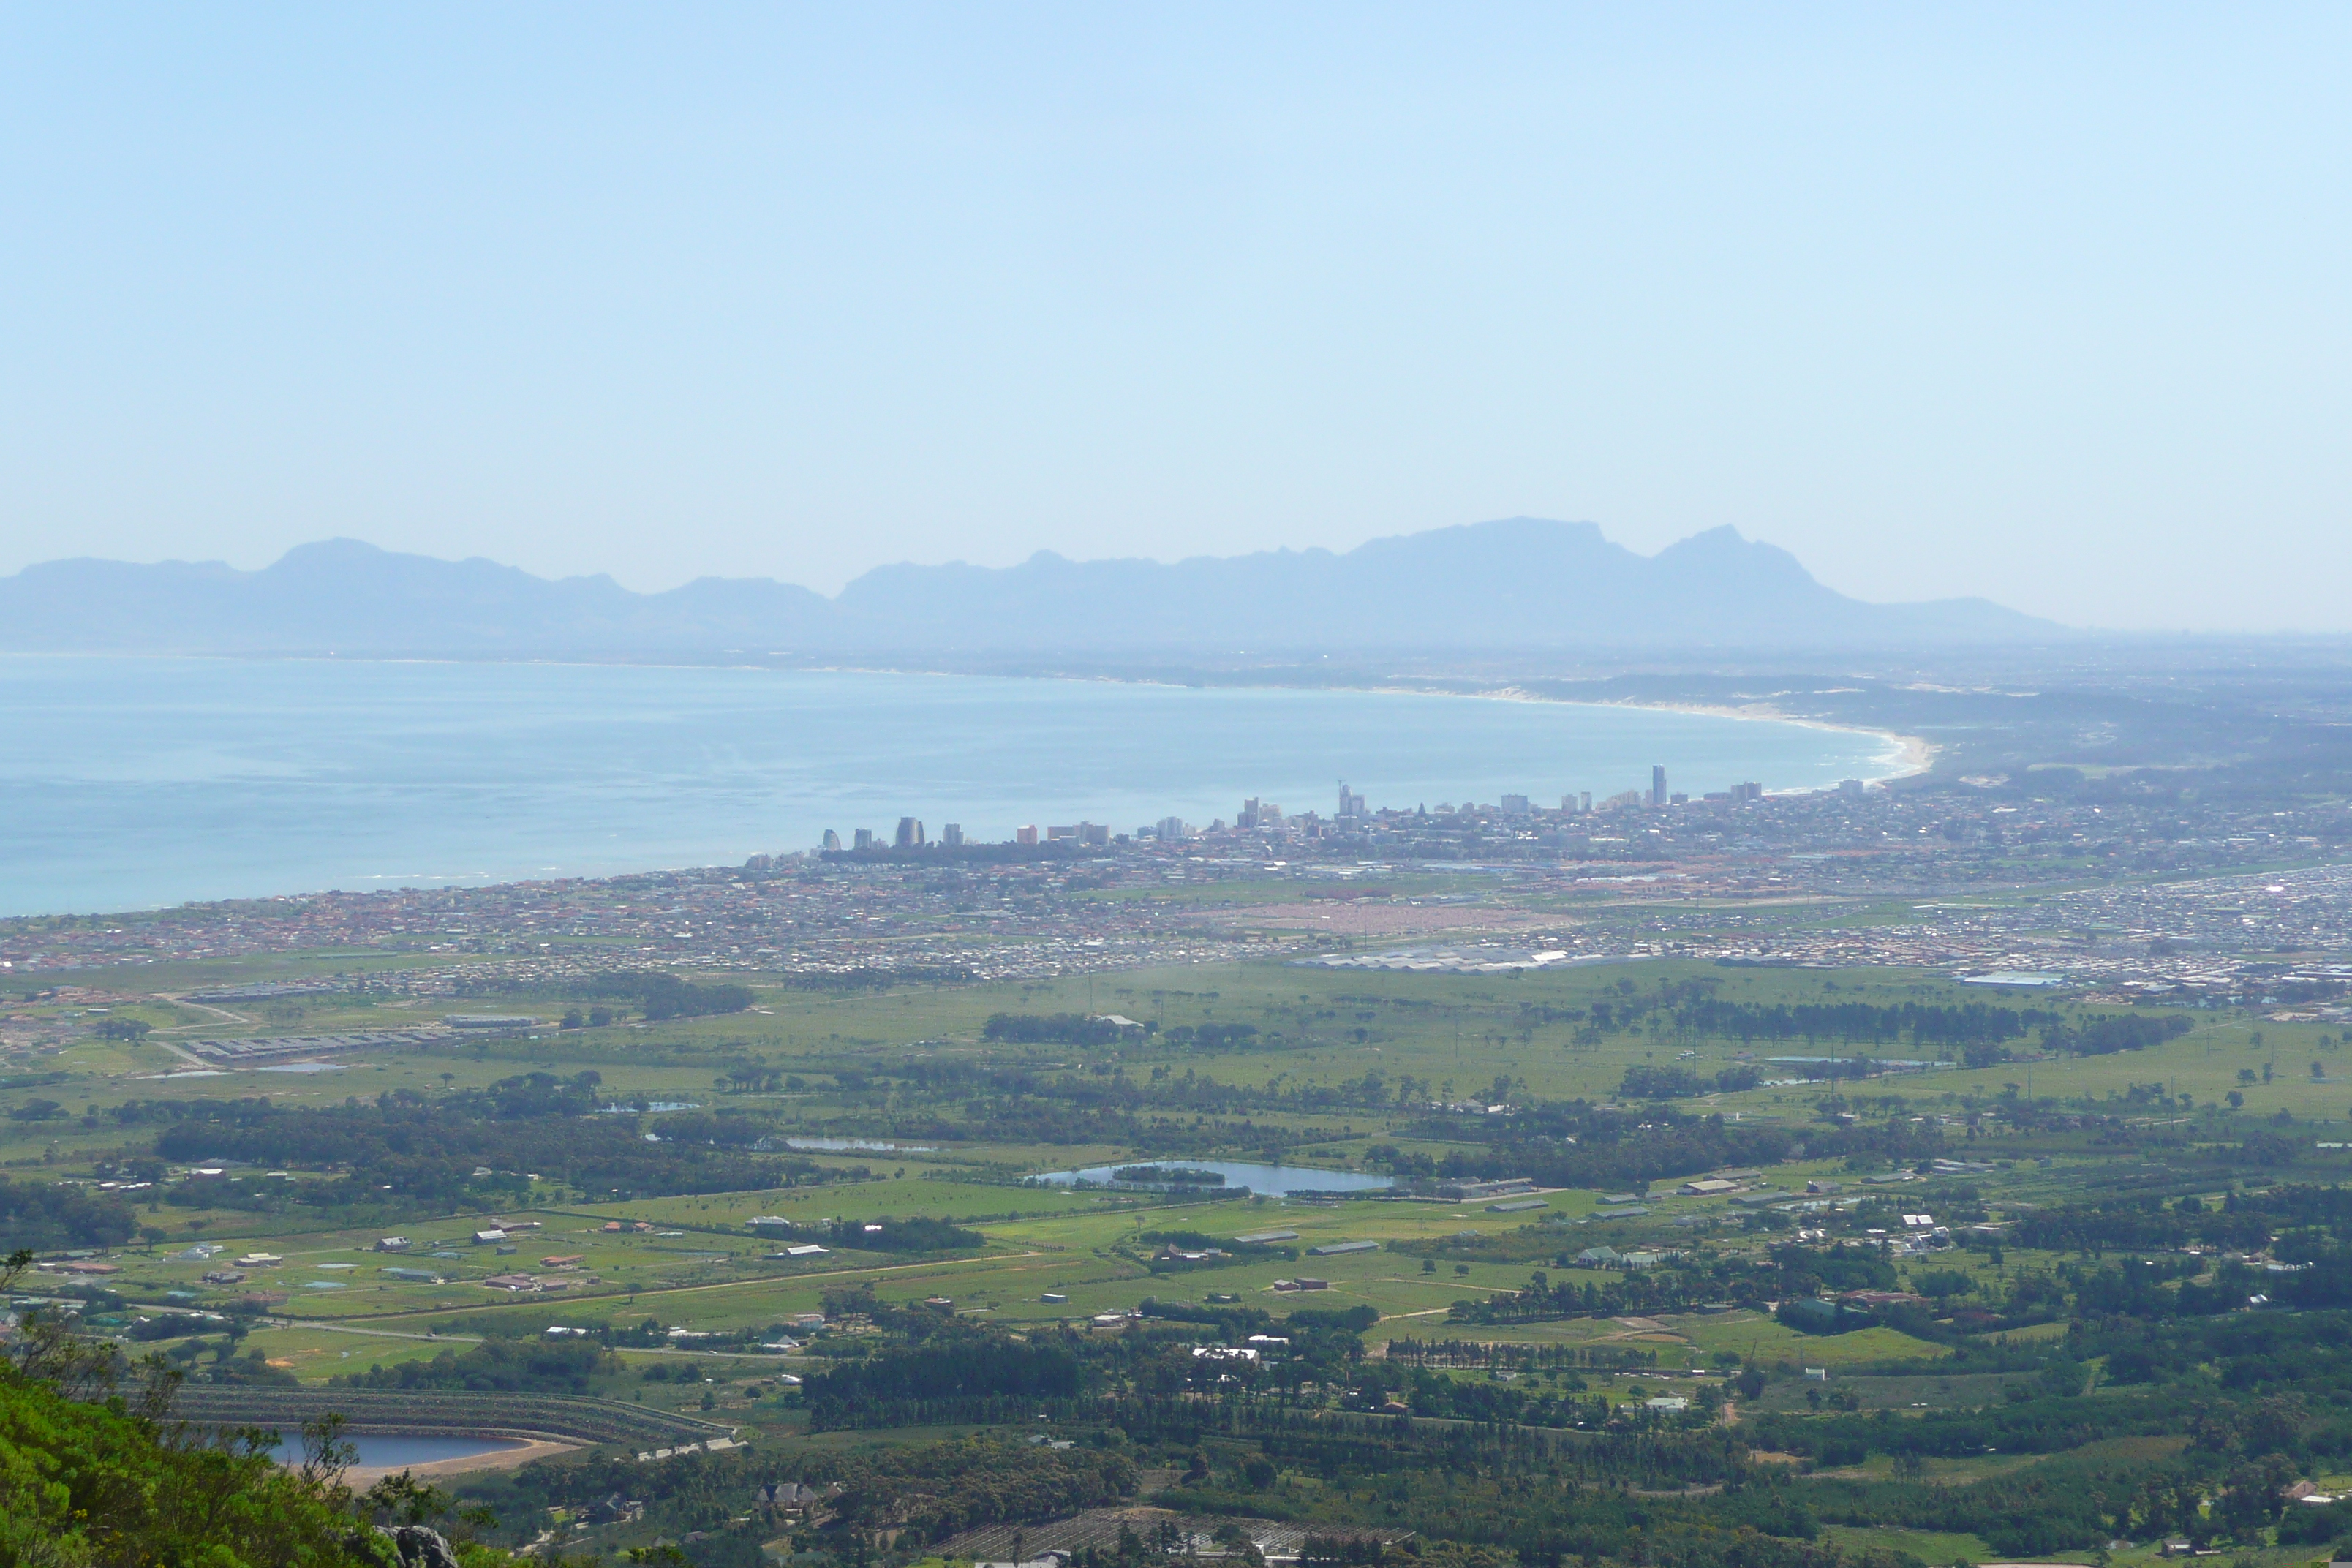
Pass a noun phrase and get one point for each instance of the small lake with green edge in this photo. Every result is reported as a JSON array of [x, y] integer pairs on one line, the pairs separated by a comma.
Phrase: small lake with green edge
[[1274, 1181]]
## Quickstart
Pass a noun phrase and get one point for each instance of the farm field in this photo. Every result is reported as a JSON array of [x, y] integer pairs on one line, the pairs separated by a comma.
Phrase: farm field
[[1667, 1192]]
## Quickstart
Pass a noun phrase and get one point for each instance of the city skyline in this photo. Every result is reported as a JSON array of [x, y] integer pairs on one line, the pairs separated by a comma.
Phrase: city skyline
[[1353, 815]]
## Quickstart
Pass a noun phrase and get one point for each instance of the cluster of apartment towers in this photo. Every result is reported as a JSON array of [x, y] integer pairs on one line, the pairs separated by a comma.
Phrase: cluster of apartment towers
[[1257, 816]]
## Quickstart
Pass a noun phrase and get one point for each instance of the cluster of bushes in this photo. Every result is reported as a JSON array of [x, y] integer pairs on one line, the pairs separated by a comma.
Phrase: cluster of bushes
[[404, 1146], [664, 996], [1852, 1023], [1644, 1081], [917, 1234], [955, 1379], [1573, 1143], [506, 1366], [983, 1481], [657, 995], [1213, 1037], [2123, 1032], [45, 1215], [1056, 1028]]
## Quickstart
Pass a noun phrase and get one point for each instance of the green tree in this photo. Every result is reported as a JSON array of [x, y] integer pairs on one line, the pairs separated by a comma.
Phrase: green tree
[[89, 1480]]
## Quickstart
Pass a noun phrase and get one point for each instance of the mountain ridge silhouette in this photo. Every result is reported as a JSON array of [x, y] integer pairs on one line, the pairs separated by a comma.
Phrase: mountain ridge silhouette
[[1511, 582]]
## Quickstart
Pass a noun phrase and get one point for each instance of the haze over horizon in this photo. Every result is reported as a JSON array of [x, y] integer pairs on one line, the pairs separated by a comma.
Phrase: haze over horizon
[[1042, 554], [1523, 582], [2040, 308]]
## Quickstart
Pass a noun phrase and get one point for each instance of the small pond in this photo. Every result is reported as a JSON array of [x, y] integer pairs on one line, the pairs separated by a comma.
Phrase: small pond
[[1277, 1181]]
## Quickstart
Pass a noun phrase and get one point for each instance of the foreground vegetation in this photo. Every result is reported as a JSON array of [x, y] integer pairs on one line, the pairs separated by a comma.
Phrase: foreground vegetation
[[95, 1469]]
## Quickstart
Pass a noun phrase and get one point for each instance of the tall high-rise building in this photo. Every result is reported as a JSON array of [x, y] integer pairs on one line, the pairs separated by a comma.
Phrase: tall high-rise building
[[865, 839], [1351, 804], [1249, 813], [910, 833], [831, 840], [1515, 805], [1024, 834], [951, 836], [1658, 783]]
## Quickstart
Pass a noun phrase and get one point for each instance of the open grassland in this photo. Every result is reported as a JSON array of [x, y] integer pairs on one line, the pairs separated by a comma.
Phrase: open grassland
[[824, 1114], [699, 1272], [1375, 1047], [1429, 1027], [1451, 1037]]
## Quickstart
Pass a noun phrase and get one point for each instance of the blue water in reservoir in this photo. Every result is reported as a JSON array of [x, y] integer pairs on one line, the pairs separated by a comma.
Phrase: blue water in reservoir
[[393, 1450], [1277, 1181], [132, 783]]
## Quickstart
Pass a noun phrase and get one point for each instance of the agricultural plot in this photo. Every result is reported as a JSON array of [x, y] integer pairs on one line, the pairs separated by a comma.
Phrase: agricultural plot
[[1407, 1361]]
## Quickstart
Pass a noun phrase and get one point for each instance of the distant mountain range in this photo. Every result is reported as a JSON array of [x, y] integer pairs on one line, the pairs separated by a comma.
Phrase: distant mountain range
[[1517, 583]]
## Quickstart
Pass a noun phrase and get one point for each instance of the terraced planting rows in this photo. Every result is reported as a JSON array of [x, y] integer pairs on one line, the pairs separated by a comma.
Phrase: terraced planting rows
[[433, 1410]]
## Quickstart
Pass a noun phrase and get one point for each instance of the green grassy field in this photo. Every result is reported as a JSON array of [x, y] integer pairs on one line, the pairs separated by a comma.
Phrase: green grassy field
[[717, 1279], [1456, 1035], [1338, 1076], [1451, 1035]]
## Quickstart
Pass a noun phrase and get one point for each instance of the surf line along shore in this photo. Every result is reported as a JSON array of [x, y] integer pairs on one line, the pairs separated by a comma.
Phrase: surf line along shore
[[1901, 757], [1906, 756]]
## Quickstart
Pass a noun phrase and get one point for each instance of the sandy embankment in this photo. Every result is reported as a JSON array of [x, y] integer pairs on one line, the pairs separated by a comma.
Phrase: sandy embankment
[[360, 1476]]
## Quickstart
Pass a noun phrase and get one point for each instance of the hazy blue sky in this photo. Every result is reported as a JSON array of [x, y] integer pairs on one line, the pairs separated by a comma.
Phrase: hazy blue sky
[[2046, 303]]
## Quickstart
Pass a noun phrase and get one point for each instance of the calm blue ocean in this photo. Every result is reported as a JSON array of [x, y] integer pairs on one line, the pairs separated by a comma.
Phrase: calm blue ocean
[[130, 782]]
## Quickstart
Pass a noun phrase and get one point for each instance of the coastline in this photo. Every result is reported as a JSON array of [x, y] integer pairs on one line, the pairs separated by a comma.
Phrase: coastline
[[1875, 754], [1910, 755]]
